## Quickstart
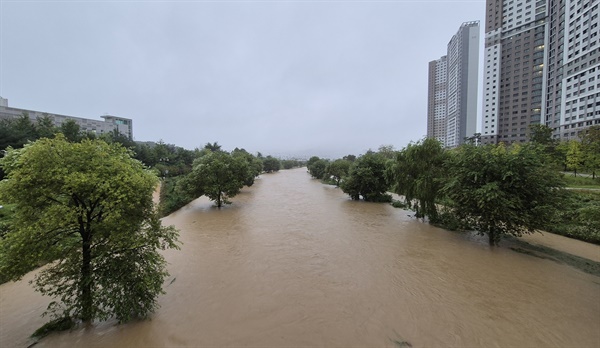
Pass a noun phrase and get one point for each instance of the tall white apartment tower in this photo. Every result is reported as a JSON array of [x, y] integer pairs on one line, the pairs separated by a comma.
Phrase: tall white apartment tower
[[436, 107], [453, 80], [573, 75], [462, 81]]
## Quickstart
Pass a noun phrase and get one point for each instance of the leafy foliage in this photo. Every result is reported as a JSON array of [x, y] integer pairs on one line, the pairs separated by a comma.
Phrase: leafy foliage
[[88, 206], [367, 179], [317, 168], [217, 175], [500, 191], [271, 164], [579, 216], [590, 145], [338, 169], [418, 173]]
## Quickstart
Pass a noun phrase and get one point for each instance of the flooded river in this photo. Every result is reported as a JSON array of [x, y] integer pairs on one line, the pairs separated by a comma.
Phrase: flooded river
[[296, 263]]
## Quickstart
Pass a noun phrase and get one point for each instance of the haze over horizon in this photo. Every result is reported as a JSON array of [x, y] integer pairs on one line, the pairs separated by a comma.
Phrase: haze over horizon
[[286, 78]]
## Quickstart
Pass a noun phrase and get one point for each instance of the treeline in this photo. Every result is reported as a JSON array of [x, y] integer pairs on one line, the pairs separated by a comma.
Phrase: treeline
[[187, 174], [495, 190]]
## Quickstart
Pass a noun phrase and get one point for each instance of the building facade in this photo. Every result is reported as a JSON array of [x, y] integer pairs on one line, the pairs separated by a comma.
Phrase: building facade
[[453, 81], [436, 108], [540, 67], [110, 123]]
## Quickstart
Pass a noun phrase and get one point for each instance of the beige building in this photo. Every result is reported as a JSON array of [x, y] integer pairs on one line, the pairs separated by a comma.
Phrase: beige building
[[109, 124]]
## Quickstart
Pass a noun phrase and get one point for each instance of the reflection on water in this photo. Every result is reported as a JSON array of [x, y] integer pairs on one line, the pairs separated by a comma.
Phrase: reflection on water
[[295, 263]]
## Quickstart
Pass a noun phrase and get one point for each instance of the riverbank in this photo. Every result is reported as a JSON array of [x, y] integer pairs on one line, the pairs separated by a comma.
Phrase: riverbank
[[293, 262]]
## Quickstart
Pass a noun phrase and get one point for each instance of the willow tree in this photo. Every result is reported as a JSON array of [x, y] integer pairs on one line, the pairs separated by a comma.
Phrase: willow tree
[[418, 174], [502, 191], [86, 208]]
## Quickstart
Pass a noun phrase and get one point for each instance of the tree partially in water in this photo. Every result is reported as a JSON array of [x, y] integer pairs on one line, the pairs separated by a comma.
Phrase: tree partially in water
[[502, 191], [217, 175], [418, 174], [367, 179], [87, 209]]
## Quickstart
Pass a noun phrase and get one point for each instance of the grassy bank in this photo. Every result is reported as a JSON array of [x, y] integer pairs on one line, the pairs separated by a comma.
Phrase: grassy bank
[[579, 216], [585, 182], [171, 196]]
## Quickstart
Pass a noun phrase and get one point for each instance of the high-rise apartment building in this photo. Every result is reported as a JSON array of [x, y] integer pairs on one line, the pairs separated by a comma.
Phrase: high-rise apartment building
[[541, 67], [436, 108], [453, 81], [573, 76]]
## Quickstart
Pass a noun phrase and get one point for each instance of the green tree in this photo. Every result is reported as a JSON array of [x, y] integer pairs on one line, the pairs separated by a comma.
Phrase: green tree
[[312, 160], [217, 175], [367, 179], [271, 164], [253, 169], [88, 207], [418, 173], [317, 169], [338, 169], [71, 130], [214, 147], [499, 191], [45, 127], [590, 144], [574, 156]]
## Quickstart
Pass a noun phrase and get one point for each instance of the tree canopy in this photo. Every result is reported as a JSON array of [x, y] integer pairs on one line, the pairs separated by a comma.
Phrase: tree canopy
[[418, 173], [217, 175], [498, 190], [367, 179], [87, 207]]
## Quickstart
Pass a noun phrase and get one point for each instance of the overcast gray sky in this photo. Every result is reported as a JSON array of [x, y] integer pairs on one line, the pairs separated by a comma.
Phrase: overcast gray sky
[[286, 78]]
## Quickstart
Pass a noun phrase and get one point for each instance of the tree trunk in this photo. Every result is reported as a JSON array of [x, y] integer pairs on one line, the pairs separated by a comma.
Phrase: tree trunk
[[86, 279], [492, 238]]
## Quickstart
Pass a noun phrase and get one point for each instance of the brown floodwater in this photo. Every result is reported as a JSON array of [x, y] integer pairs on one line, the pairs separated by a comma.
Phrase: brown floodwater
[[294, 262]]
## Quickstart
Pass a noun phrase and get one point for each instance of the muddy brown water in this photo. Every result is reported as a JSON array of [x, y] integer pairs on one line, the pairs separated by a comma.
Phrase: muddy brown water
[[295, 263]]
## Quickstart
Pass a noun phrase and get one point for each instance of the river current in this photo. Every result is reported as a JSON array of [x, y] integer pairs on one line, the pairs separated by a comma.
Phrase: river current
[[293, 262]]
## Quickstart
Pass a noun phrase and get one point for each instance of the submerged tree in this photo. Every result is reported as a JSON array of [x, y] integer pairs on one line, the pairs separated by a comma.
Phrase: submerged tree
[[338, 169], [86, 208], [367, 179], [418, 173], [499, 191], [217, 175]]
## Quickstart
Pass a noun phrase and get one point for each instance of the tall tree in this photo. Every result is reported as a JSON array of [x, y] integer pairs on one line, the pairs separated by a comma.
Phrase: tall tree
[[71, 130], [499, 191], [418, 173], [574, 156], [590, 144], [88, 207], [214, 147]]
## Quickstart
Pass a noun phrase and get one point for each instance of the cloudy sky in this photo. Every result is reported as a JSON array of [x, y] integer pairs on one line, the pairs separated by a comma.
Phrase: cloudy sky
[[287, 78]]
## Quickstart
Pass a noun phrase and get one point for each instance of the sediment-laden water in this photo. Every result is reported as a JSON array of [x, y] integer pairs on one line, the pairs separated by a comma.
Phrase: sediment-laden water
[[296, 263]]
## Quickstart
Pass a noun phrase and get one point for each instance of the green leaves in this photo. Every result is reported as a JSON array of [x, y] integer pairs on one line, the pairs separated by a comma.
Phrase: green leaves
[[501, 191], [418, 174], [218, 175], [86, 208]]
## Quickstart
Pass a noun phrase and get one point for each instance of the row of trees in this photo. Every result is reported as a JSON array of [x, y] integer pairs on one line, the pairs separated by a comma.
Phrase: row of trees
[[83, 205], [575, 154], [495, 189]]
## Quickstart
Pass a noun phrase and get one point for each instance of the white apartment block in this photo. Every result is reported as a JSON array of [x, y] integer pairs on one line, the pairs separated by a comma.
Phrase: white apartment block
[[452, 104]]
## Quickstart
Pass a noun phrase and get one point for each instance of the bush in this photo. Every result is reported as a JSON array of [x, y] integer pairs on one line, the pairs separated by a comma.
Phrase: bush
[[172, 196]]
